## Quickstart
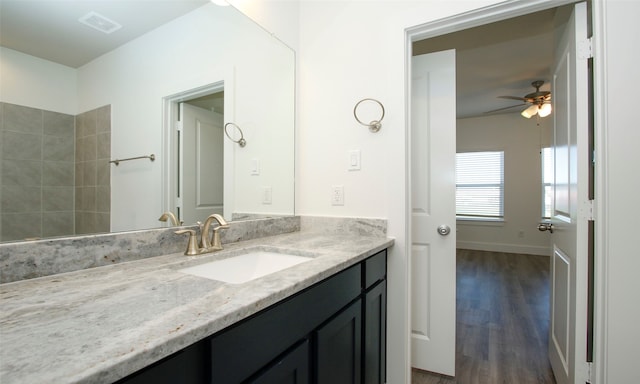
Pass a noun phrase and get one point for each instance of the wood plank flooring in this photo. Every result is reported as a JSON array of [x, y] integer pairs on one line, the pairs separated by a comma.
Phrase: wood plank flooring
[[502, 323]]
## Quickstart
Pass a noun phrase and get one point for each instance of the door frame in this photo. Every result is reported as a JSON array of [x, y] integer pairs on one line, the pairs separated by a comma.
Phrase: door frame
[[499, 12]]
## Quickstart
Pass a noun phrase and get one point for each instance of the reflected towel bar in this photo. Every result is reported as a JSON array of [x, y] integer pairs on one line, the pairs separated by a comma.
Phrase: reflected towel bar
[[241, 141], [151, 157]]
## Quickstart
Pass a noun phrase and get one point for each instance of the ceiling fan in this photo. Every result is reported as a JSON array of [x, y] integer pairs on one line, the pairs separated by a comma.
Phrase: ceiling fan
[[540, 102]]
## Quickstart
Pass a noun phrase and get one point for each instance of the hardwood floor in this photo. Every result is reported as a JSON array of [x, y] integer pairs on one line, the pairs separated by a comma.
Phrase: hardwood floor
[[502, 323]]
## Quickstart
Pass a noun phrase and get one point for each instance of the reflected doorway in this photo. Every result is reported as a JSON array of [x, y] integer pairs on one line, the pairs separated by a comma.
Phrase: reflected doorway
[[200, 168], [194, 147]]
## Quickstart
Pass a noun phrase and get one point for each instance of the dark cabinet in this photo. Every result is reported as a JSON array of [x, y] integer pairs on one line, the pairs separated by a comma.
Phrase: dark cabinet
[[333, 332], [375, 334], [245, 347], [374, 319], [292, 368], [339, 347], [188, 366]]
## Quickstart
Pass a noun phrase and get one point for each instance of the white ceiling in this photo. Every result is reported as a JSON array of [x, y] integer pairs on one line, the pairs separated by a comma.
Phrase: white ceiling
[[498, 59], [49, 29]]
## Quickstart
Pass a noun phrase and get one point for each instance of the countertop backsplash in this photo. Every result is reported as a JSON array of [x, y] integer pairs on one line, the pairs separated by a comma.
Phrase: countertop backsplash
[[32, 259], [344, 225]]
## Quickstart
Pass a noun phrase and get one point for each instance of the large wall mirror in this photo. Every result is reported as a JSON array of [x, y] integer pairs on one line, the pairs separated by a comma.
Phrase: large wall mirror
[[66, 113]]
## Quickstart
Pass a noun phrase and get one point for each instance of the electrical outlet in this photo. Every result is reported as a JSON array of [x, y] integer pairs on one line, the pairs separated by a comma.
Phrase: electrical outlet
[[337, 195], [266, 195]]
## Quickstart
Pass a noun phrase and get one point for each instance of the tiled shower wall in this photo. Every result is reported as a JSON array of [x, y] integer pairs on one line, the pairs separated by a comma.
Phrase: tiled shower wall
[[93, 177], [39, 173]]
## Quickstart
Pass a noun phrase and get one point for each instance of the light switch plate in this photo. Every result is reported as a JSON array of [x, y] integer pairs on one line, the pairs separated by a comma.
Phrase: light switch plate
[[255, 167], [353, 160]]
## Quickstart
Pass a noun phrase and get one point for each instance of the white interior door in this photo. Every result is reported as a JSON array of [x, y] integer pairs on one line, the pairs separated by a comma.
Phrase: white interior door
[[571, 213], [433, 255], [201, 163]]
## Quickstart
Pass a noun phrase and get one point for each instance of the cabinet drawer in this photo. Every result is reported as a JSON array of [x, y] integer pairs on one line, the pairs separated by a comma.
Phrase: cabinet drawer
[[375, 269]]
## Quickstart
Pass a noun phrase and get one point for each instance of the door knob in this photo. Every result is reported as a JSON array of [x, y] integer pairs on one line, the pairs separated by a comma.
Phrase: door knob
[[545, 227], [444, 230]]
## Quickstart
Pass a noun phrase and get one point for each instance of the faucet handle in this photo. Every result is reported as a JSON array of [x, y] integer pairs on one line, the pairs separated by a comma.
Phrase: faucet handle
[[216, 244], [192, 246]]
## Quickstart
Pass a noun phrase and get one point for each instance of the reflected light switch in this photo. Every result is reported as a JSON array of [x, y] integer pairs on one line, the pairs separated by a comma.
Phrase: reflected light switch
[[266, 195]]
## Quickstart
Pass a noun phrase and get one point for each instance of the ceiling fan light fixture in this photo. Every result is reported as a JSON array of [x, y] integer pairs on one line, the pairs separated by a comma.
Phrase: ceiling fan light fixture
[[530, 112], [545, 110]]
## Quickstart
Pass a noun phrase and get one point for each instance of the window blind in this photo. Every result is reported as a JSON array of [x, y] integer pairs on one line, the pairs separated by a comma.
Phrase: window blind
[[480, 185]]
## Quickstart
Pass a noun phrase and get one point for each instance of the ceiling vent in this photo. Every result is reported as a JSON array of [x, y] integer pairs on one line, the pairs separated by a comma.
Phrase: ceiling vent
[[99, 22]]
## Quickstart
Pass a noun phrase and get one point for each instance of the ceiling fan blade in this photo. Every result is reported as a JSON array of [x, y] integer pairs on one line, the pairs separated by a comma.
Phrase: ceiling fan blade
[[502, 109], [513, 98]]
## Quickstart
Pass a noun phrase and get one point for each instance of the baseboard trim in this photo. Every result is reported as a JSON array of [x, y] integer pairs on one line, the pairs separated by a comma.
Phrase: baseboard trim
[[510, 248]]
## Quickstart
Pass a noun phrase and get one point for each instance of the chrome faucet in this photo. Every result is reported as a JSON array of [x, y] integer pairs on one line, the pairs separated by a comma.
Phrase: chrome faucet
[[211, 244], [170, 216]]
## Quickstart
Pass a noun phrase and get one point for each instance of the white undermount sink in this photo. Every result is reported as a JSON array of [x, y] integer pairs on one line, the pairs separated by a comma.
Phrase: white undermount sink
[[246, 266]]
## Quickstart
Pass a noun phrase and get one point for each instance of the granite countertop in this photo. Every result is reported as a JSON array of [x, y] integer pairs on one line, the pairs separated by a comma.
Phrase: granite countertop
[[101, 324]]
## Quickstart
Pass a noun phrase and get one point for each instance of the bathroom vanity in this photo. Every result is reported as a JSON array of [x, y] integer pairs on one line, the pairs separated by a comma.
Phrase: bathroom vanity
[[145, 321], [332, 332]]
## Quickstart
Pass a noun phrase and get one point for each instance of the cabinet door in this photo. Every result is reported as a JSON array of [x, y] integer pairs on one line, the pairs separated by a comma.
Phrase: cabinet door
[[339, 347], [292, 368], [375, 334]]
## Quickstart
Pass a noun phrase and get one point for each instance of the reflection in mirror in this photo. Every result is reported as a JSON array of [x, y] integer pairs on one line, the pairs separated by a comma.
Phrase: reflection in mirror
[[202, 189], [199, 148], [118, 104]]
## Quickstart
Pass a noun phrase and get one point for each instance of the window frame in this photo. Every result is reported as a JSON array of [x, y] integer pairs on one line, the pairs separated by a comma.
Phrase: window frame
[[544, 183], [497, 217]]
